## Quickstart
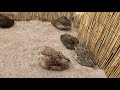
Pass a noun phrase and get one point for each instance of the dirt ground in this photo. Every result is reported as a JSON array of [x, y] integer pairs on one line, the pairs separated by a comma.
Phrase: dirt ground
[[21, 44]]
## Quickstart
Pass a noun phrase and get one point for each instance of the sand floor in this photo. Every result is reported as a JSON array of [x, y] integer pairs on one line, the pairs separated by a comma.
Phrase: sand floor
[[20, 47]]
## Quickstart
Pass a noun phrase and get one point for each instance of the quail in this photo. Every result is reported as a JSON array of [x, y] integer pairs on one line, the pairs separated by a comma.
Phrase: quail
[[69, 41], [62, 23], [84, 56], [54, 60], [5, 22]]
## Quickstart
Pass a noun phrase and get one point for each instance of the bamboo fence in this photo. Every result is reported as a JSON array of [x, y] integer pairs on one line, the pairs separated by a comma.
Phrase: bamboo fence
[[44, 16], [99, 30]]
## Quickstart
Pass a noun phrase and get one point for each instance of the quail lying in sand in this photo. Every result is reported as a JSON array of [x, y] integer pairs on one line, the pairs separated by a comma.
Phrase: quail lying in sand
[[84, 56], [62, 23], [54, 60], [70, 42], [5, 22]]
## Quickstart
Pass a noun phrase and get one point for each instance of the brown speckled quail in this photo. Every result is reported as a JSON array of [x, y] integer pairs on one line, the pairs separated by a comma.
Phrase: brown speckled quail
[[5, 22], [84, 56], [62, 23], [54, 60], [69, 41]]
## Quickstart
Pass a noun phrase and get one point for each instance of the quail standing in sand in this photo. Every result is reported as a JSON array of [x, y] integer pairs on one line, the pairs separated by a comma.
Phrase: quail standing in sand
[[62, 23], [54, 60], [69, 41], [84, 56], [5, 22]]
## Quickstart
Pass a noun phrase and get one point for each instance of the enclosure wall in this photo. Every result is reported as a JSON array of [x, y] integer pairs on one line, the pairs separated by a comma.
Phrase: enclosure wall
[[101, 31], [44, 16]]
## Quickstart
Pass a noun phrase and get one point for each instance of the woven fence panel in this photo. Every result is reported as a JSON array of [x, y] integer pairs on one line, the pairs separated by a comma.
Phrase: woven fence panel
[[77, 18], [101, 31], [44, 16]]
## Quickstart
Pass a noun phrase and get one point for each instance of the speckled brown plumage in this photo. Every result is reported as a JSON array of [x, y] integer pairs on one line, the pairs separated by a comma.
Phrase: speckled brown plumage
[[84, 56], [6, 22], [69, 41], [54, 60], [62, 23]]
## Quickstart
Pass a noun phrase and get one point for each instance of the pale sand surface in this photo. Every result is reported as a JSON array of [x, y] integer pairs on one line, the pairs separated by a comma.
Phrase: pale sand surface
[[20, 47]]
